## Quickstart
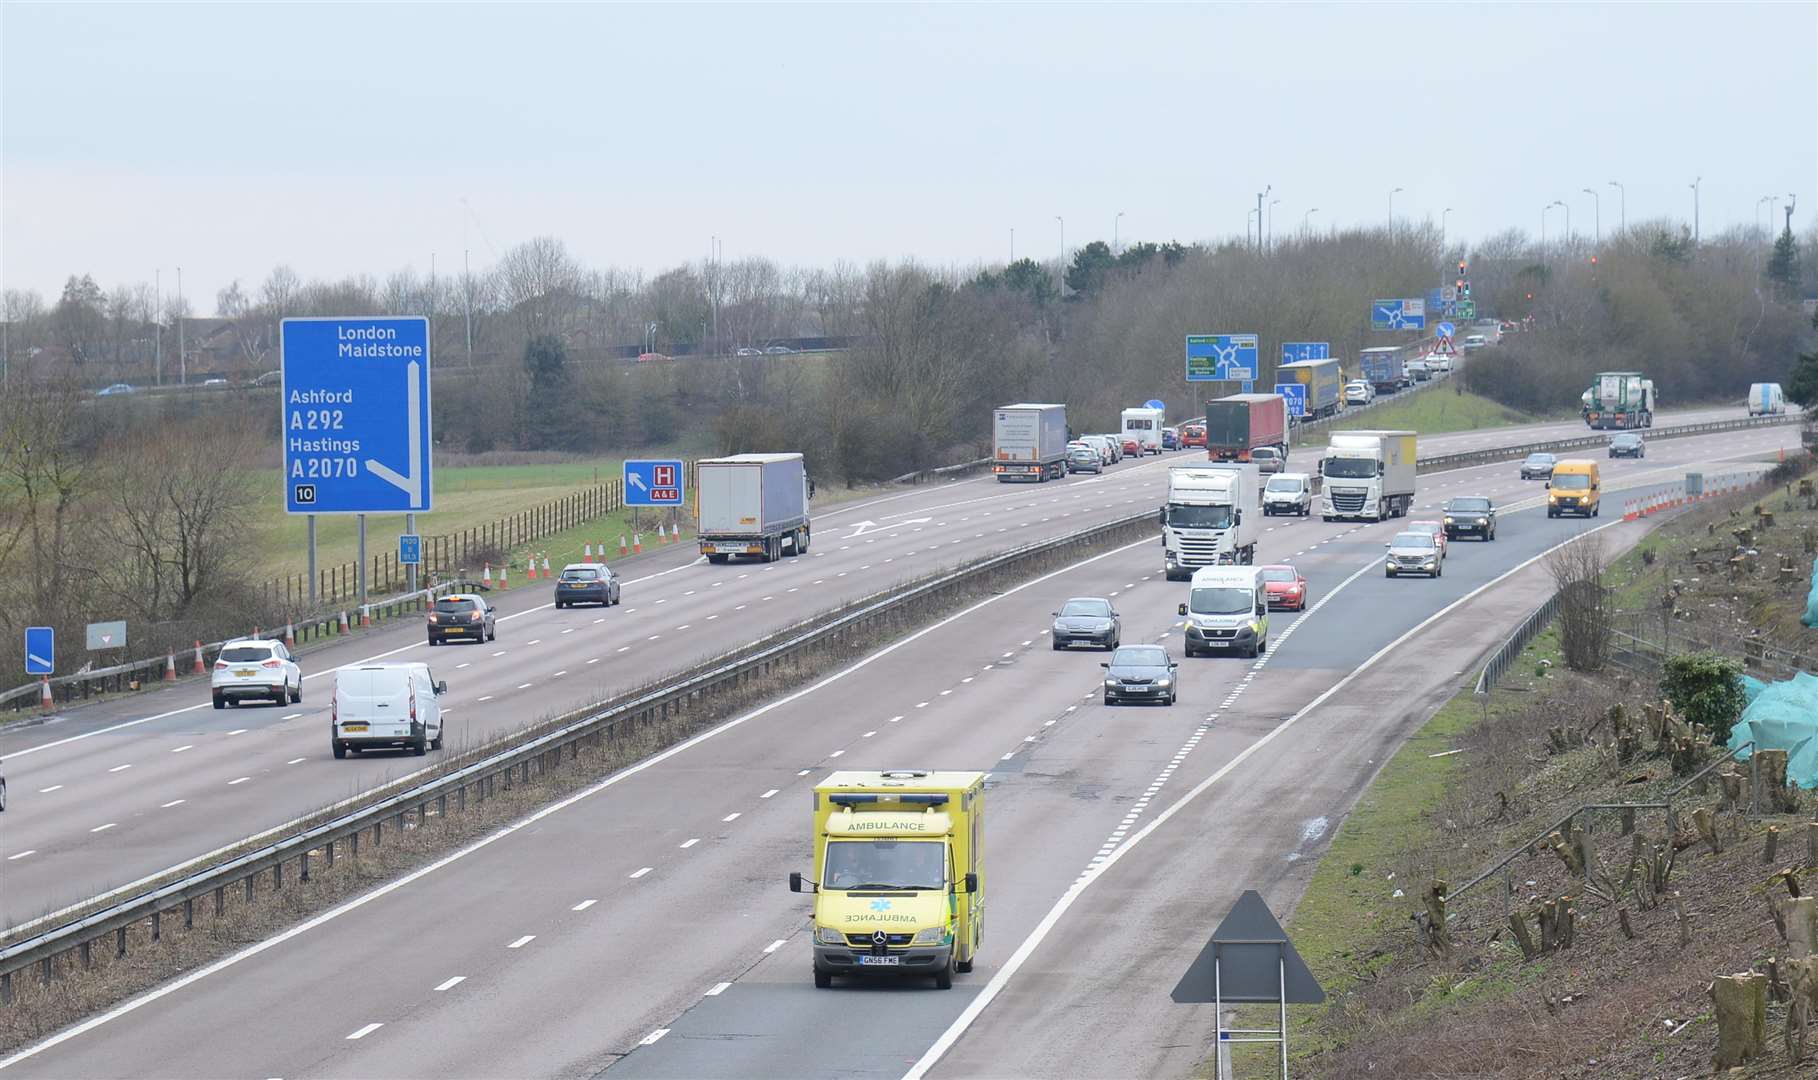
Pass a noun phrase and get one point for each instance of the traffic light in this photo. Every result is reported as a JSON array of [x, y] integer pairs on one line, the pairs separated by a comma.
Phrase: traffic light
[[1530, 296], [1461, 268], [1593, 260]]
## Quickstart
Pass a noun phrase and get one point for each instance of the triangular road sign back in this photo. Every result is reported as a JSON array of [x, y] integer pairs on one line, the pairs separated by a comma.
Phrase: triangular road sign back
[[1251, 948]]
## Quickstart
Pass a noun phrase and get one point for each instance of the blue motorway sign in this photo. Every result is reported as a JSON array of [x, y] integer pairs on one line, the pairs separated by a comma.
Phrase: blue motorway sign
[[410, 549], [356, 415], [1296, 395], [40, 650], [1436, 298], [1398, 314], [1293, 351], [1154, 403], [1445, 329], [653, 483], [1249, 387], [1221, 357]]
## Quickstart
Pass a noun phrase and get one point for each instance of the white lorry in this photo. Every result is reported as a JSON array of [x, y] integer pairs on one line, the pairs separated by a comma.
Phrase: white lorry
[[1213, 515], [1368, 475], [1145, 426], [752, 504], [1029, 443]]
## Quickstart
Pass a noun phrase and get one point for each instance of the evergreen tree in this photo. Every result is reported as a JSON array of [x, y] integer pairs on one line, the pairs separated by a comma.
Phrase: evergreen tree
[[1783, 267]]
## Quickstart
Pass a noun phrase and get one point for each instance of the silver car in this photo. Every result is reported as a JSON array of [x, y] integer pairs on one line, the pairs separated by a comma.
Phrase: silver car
[[1089, 620], [1413, 553], [1268, 459], [251, 669], [1084, 457]]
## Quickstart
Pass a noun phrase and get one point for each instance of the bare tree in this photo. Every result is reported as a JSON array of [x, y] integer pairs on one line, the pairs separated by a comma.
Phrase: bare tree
[[1584, 603], [538, 281]]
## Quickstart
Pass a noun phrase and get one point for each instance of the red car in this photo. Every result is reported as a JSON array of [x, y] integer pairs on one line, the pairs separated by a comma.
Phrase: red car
[[1285, 587], [1133, 447], [1193, 435]]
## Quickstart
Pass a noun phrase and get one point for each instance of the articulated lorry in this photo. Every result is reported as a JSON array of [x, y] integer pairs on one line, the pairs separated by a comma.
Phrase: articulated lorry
[[1325, 383], [1241, 423], [1213, 515], [1369, 475], [1620, 400], [752, 504], [1385, 368], [1029, 443], [899, 879]]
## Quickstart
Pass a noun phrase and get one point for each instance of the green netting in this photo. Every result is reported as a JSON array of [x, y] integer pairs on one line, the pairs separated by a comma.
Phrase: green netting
[[1811, 599], [1783, 716]]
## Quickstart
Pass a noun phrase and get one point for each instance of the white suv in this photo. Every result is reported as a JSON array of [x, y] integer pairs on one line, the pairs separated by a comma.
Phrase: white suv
[[250, 668]]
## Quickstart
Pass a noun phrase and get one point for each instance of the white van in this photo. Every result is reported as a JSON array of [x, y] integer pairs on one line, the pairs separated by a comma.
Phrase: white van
[[1766, 399], [386, 706], [1227, 611]]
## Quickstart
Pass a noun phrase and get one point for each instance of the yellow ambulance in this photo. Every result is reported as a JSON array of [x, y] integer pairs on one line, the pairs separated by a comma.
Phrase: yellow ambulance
[[898, 873]]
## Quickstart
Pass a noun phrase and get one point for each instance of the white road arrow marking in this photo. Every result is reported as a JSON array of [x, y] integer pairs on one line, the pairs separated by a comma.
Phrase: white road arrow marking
[[860, 528], [412, 483]]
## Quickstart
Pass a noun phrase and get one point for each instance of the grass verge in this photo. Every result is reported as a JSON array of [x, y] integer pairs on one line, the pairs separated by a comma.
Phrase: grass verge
[[1443, 410]]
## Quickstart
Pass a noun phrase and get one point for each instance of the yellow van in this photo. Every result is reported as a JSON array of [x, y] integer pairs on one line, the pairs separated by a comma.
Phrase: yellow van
[[900, 874], [1576, 488]]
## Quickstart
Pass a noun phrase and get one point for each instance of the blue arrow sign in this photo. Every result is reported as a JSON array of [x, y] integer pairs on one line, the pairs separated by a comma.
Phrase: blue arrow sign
[[40, 650], [1446, 329], [653, 483], [1398, 315], [410, 549], [1154, 403], [1296, 395], [1221, 357], [356, 415], [1295, 351]]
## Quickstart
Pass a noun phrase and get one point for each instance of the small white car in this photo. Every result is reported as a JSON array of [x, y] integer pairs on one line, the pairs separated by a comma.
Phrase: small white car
[[255, 669], [1288, 493], [1359, 393], [1473, 341], [386, 707]]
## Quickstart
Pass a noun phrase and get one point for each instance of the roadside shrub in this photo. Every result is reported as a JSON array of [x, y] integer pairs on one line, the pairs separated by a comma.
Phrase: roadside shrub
[[1706, 689]]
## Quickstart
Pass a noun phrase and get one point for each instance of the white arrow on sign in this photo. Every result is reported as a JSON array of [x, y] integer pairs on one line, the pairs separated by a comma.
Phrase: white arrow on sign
[[860, 528], [636, 481], [37, 661], [412, 483]]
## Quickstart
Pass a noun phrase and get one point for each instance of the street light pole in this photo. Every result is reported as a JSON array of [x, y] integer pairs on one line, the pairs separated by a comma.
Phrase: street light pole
[[1273, 203], [1543, 233], [1561, 203], [1442, 229], [1596, 217], [1694, 186], [1305, 220], [1114, 224], [1249, 239], [1623, 193], [1063, 255], [1260, 196], [1392, 195]]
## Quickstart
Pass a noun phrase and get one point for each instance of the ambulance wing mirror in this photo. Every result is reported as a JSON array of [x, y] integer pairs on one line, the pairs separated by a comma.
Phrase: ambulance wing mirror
[[795, 883], [1183, 609], [971, 882]]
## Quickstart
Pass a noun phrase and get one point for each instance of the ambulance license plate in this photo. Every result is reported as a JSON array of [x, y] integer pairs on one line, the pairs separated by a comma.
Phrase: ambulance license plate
[[880, 961], [1217, 644]]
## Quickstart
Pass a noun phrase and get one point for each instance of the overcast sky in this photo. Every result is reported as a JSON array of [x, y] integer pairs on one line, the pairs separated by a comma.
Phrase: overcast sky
[[341, 139]]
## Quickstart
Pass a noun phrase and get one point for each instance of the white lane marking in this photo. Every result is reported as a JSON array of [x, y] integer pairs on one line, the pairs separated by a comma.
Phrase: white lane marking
[[237, 731], [868, 734], [22, 854], [583, 905], [501, 652], [464, 664], [450, 984], [596, 622], [836, 753], [525, 685], [944, 693], [638, 873], [732, 816], [894, 719], [182, 982], [521, 942], [104, 828], [717, 989], [487, 697], [299, 761], [365, 1031], [690, 842], [292, 716], [559, 674], [773, 791], [173, 802], [570, 630], [242, 780], [534, 641], [803, 772], [595, 660], [624, 648], [48, 790], [650, 1039], [178, 750], [1017, 959]]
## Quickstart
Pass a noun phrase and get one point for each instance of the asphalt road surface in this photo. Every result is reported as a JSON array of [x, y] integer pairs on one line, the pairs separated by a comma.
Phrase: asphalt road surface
[[644, 925]]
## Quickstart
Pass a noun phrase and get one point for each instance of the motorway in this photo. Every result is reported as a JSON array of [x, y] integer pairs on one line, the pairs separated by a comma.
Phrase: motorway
[[107, 795], [671, 947]]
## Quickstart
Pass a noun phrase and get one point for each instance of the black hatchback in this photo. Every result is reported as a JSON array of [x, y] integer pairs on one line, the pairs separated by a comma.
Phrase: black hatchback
[[1628, 444], [462, 617], [587, 583], [1140, 673]]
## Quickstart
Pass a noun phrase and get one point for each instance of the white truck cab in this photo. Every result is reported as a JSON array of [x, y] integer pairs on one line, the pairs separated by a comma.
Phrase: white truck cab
[[1213, 515], [386, 706], [1227, 611]]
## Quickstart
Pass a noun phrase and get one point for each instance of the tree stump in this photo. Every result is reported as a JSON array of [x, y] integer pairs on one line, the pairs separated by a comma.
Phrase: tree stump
[[1707, 829], [1439, 938], [1684, 920], [1568, 853], [1802, 986], [1771, 844], [1622, 920], [1811, 843], [1799, 914], [1628, 821], [1741, 1006], [1777, 796], [1729, 781], [1518, 924]]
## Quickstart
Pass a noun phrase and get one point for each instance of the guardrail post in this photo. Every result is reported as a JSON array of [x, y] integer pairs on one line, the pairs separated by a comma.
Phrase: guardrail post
[[6, 988], [442, 806], [303, 866], [44, 970], [378, 833], [277, 876], [189, 914], [88, 959], [250, 879], [328, 854], [461, 799], [353, 841], [220, 900], [120, 943]]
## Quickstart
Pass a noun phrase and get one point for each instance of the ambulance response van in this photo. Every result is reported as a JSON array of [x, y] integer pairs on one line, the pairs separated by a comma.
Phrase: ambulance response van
[[898, 874]]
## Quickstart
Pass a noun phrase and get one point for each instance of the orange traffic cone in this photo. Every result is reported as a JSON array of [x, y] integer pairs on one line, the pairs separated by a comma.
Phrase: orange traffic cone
[[199, 669], [587, 553], [637, 544], [290, 635], [341, 626], [487, 576], [365, 616], [623, 549], [170, 667], [504, 571], [45, 700], [546, 573]]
